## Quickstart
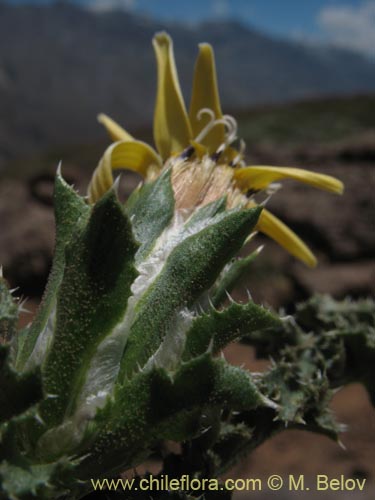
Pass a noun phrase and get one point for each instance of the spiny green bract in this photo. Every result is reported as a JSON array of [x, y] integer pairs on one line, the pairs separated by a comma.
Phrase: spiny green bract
[[123, 351]]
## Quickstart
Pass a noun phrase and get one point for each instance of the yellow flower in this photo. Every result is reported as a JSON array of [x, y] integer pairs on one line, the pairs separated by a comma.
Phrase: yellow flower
[[198, 146]]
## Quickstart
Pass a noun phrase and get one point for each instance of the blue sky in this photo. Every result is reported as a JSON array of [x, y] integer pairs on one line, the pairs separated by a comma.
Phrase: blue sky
[[346, 23]]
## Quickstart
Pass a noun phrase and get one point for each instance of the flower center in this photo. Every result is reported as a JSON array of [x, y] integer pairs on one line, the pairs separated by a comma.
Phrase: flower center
[[199, 182]]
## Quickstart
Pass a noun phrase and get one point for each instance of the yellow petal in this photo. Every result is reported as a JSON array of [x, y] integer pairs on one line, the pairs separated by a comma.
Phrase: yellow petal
[[259, 177], [205, 94], [284, 236], [133, 155], [172, 131], [114, 130]]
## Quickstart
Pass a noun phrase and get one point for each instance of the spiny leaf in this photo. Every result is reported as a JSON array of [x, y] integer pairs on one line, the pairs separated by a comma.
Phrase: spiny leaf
[[69, 208], [222, 327], [230, 278], [92, 299], [150, 209], [345, 334], [190, 269], [153, 406], [299, 384], [207, 211]]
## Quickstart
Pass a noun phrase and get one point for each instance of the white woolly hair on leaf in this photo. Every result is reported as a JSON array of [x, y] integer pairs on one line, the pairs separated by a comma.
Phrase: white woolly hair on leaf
[[170, 350], [102, 373], [42, 343], [105, 364]]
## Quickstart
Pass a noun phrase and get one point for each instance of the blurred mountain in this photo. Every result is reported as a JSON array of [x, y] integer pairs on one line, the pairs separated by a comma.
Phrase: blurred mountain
[[60, 65]]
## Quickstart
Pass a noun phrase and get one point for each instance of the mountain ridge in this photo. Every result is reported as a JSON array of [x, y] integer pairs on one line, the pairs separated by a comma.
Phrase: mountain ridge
[[61, 64]]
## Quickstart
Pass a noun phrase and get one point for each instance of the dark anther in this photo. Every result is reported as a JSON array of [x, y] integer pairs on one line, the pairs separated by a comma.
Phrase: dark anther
[[187, 153], [215, 156]]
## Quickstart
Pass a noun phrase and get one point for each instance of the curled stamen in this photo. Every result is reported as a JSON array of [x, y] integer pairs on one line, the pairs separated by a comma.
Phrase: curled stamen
[[228, 121], [231, 135], [232, 128], [206, 111], [238, 160], [210, 125]]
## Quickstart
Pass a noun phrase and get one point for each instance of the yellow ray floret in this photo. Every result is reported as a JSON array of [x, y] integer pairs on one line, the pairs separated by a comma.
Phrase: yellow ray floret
[[172, 131], [284, 236], [133, 155], [259, 177], [205, 95], [115, 131]]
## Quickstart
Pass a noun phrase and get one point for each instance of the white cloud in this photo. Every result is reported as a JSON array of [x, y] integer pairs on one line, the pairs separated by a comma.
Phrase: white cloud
[[107, 5], [220, 8], [350, 27]]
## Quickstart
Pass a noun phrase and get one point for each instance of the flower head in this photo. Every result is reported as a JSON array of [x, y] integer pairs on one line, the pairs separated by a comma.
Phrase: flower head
[[199, 147]]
